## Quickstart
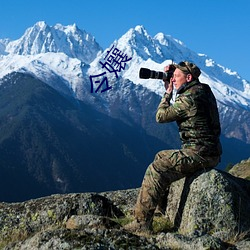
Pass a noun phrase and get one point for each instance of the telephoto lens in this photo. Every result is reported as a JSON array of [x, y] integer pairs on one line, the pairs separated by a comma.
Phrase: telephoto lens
[[147, 73]]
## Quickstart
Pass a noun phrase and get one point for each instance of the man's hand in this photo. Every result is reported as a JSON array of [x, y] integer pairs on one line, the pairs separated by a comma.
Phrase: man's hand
[[168, 85]]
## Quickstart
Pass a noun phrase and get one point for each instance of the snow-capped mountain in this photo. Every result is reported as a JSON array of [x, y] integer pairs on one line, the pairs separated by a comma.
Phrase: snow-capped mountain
[[70, 40], [66, 51], [50, 53], [161, 50], [65, 57]]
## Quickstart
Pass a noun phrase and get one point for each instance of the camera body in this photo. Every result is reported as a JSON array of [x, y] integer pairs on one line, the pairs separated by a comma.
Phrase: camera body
[[146, 73]]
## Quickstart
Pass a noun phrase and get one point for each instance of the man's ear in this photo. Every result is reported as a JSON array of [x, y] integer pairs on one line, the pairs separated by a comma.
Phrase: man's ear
[[189, 77]]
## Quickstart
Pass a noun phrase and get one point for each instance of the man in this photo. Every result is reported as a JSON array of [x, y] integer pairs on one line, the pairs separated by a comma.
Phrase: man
[[195, 111]]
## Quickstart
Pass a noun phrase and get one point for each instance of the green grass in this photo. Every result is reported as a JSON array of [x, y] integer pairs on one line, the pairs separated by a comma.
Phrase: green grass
[[160, 223]]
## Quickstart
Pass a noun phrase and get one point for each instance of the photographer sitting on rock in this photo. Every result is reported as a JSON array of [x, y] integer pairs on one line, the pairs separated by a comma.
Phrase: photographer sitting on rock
[[195, 111]]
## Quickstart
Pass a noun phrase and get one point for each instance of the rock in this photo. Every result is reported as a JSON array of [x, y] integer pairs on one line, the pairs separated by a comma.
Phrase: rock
[[243, 245], [209, 210], [178, 241], [63, 239], [241, 169], [124, 199], [212, 202], [20, 220], [90, 221]]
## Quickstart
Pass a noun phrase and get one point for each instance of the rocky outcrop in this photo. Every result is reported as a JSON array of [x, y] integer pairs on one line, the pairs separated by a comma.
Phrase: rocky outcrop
[[209, 210], [210, 202], [241, 169]]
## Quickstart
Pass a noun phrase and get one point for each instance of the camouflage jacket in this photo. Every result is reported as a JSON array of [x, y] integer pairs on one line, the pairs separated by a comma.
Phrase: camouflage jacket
[[195, 111]]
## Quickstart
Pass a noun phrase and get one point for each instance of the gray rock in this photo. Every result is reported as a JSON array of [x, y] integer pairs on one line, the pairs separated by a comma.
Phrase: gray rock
[[124, 199], [63, 239], [90, 221], [20, 220], [178, 241], [243, 245], [211, 202]]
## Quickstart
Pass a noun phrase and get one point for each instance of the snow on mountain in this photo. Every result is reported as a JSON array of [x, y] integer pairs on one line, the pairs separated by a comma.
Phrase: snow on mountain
[[73, 55], [51, 53], [41, 38], [158, 51], [48, 67], [3, 43]]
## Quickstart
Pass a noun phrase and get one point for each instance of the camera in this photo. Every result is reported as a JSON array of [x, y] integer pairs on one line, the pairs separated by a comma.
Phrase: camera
[[145, 73]]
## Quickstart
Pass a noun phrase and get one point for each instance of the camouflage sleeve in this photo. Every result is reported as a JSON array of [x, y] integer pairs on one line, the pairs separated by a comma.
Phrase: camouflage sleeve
[[183, 107]]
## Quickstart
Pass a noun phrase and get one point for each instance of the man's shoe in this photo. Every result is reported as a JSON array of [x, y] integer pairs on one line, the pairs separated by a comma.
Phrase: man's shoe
[[138, 227]]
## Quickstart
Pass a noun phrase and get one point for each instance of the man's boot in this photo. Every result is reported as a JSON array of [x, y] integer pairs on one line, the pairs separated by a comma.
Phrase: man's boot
[[137, 226]]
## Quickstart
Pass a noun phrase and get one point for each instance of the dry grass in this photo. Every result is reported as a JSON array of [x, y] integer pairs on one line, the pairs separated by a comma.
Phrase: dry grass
[[239, 237], [160, 223]]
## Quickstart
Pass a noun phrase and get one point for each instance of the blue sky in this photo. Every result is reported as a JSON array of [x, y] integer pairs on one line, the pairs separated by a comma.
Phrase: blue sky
[[218, 28]]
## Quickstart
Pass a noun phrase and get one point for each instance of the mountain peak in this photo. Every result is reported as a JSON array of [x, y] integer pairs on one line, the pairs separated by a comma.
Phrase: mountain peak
[[69, 28], [141, 29], [167, 40], [135, 34], [41, 24], [42, 38], [138, 41]]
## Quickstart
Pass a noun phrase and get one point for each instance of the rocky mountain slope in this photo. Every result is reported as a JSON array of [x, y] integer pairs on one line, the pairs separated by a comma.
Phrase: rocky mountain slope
[[55, 144], [207, 211]]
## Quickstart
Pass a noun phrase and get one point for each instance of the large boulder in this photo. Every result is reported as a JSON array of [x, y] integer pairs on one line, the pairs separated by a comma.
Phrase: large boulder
[[19, 221], [210, 202]]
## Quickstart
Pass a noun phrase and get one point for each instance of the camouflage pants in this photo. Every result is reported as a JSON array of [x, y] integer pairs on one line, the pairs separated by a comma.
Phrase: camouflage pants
[[167, 167]]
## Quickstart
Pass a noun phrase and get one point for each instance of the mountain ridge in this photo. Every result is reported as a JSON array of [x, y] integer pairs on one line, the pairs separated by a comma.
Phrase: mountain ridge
[[42, 38], [154, 52], [51, 67]]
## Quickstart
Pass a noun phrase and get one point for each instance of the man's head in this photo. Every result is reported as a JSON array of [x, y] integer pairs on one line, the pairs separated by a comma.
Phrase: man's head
[[185, 72]]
